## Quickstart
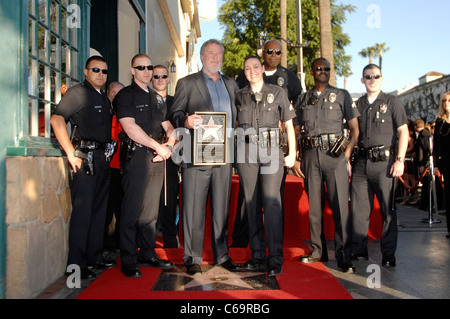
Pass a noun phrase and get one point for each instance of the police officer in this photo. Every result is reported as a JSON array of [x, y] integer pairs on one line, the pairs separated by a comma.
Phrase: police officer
[[274, 73], [89, 112], [280, 76], [382, 147], [321, 112], [260, 108], [168, 203], [142, 114]]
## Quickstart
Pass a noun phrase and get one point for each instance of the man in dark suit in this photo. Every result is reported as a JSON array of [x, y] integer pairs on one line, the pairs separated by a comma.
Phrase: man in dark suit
[[205, 91]]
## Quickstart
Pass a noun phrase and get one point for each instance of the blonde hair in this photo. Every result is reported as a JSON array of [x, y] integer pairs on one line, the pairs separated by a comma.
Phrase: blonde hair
[[441, 112]]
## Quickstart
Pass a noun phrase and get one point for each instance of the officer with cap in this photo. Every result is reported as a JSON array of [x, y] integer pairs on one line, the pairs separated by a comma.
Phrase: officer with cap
[[261, 107], [321, 112], [89, 112], [382, 147], [143, 116]]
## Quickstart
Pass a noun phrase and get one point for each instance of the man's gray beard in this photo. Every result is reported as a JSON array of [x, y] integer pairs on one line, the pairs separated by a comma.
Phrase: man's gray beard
[[213, 70]]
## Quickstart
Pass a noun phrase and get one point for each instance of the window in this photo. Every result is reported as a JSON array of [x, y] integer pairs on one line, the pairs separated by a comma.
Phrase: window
[[53, 51]]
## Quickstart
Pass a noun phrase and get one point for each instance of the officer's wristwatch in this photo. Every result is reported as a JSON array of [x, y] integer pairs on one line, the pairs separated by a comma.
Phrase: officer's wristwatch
[[170, 147], [400, 159]]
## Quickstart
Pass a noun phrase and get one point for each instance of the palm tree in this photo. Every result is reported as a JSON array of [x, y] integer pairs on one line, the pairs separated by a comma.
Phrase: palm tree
[[368, 52], [326, 38], [379, 50]]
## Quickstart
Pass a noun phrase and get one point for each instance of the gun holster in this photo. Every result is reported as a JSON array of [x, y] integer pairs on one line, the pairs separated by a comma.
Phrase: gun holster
[[88, 160], [339, 146], [127, 148]]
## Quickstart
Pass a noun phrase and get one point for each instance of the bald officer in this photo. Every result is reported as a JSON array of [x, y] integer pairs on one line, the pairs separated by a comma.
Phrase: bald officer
[[321, 112]]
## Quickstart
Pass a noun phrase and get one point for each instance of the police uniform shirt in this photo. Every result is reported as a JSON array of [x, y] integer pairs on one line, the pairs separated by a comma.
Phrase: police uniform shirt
[[324, 113], [283, 77], [147, 108], [274, 106], [379, 121], [88, 108]]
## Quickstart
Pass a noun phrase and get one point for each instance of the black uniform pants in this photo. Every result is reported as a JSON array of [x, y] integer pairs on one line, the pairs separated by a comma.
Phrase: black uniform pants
[[114, 206], [256, 180], [371, 179], [89, 194], [197, 182], [321, 169], [142, 182], [168, 213]]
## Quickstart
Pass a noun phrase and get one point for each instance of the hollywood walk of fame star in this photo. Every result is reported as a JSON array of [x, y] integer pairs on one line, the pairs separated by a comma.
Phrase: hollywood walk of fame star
[[217, 275], [211, 129]]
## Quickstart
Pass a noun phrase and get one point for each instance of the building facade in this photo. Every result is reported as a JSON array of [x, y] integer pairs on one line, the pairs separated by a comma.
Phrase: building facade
[[422, 101], [45, 44]]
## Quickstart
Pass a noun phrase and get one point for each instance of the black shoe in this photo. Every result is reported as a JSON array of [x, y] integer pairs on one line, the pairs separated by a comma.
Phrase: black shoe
[[193, 269], [274, 270], [360, 256], [131, 271], [388, 261], [85, 273], [309, 259], [104, 264], [257, 265], [347, 267], [230, 265], [155, 262]]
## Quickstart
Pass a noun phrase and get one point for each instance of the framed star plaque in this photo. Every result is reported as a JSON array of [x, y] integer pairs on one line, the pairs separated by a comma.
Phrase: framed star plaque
[[210, 139]]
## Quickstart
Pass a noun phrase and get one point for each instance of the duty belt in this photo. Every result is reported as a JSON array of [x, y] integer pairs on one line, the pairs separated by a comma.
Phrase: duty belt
[[265, 139], [88, 144], [375, 153], [324, 141]]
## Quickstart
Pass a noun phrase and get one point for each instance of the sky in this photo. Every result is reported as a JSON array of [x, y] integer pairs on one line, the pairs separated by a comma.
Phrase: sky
[[415, 31]]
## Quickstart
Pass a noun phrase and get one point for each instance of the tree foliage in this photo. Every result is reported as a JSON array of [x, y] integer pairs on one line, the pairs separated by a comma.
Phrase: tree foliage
[[244, 20]]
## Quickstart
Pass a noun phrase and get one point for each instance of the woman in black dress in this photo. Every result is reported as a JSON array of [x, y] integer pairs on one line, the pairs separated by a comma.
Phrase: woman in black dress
[[441, 150]]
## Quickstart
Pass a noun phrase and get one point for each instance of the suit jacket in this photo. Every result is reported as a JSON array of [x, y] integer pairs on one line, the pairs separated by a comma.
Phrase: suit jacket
[[192, 95]]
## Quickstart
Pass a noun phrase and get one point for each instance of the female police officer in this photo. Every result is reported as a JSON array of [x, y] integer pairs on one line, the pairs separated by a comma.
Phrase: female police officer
[[261, 107]]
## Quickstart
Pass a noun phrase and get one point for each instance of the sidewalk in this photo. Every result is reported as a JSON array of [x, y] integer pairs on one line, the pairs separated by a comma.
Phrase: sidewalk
[[423, 262], [422, 271]]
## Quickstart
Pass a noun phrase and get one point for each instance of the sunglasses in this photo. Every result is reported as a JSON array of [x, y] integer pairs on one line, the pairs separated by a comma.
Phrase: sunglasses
[[270, 51], [370, 77], [157, 77], [327, 69], [96, 70], [143, 67]]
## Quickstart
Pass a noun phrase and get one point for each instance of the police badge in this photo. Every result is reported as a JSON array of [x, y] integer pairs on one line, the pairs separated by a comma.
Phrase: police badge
[[383, 108], [270, 98], [280, 81], [332, 97]]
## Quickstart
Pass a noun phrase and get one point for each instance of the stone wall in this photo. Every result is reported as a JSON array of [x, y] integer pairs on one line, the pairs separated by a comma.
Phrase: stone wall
[[38, 208]]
